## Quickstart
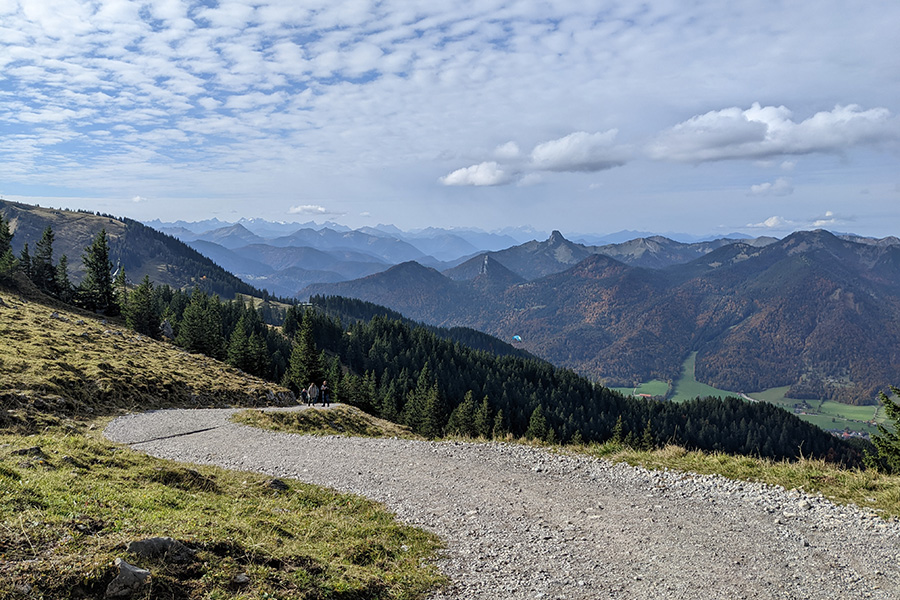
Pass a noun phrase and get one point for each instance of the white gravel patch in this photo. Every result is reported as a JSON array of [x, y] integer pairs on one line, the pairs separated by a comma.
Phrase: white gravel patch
[[521, 522]]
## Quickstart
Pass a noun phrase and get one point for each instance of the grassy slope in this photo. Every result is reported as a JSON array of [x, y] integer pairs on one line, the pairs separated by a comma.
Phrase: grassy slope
[[68, 509]]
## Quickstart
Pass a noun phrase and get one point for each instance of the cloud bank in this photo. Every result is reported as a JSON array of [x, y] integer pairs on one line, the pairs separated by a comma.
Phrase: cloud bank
[[768, 131]]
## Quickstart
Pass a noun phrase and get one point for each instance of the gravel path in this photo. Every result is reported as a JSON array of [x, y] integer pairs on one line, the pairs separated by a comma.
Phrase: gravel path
[[520, 522]]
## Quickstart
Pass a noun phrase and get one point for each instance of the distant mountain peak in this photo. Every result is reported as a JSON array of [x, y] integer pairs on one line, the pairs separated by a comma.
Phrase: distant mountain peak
[[556, 238]]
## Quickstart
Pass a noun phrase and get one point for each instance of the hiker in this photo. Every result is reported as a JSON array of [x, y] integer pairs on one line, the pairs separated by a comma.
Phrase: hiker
[[313, 392], [325, 392], [304, 397]]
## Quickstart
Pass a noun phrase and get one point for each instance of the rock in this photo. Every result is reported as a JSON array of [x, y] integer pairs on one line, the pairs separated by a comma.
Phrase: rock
[[240, 579], [130, 581], [166, 548], [165, 329], [277, 484], [34, 451]]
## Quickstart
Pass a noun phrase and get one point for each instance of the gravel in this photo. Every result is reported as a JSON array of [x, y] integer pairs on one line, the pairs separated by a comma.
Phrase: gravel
[[520, 522]]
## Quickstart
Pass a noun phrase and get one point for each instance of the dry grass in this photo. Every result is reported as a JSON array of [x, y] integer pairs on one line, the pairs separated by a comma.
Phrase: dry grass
[[77, 365]]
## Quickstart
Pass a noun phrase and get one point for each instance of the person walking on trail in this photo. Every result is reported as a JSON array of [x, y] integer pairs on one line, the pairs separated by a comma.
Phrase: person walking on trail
[[304, 397], [313, 393], [325, 391]]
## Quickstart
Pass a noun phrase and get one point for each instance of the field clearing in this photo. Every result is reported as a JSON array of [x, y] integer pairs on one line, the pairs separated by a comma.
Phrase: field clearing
[[688, 388], [656, 387]]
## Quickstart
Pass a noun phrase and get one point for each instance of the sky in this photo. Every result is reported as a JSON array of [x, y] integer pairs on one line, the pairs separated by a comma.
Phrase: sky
[[586, 116]]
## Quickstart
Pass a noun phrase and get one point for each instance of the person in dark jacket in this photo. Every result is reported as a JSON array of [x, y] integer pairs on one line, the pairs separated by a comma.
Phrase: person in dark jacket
[[325, 391]]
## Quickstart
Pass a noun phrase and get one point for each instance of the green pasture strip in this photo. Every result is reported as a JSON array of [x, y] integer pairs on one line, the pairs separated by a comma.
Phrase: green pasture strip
[[688, 388], [70, 504]]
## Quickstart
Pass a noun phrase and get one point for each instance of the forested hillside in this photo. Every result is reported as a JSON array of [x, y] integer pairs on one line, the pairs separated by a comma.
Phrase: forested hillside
[[139, 249]]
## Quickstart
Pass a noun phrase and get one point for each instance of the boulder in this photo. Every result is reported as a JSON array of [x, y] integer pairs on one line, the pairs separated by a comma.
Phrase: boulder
[[130, 581], [161, 547]]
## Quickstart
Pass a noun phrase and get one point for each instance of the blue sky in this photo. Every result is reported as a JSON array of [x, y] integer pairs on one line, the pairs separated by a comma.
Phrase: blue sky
[[590, 117]]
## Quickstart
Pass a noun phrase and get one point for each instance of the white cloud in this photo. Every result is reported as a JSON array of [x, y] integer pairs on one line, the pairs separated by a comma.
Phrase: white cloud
[[774, 223], [483, 174], [768, 131], [309, 209], [507, 151], [579, 151], [780, 187], [138, 199]]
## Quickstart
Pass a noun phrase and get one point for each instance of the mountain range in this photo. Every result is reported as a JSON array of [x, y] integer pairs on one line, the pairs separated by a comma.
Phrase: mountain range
[[814, 311]]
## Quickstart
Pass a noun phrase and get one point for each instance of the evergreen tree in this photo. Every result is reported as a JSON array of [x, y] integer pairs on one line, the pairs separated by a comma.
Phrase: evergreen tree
[[648, 442], [305, 367], [414, 409], [462, 419], [63, 284], [7, 259], [482, 422], [25, 262], [238, 354], [887, 442], [537, 425], [96, 291], [200, 329], [141, 313], [120, 286], [500, 430], [433, 418], [43, 272], [618, 433]]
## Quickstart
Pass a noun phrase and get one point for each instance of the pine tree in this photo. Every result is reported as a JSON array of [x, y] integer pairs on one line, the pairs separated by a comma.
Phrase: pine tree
[[25, 262], [887, 442], [43, 272], [305, 367], [433, 418], [7, 259], [618, 433], [462, 419], [120, 286], [96, 291], [238, 354], [141, 313], [416, 401], [501, 429], [648, 442], [63, 284], [537, 425], [482, 422], [200, 329]]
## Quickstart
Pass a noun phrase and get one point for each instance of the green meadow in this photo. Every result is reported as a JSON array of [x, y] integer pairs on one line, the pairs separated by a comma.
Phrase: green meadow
[[826, 414]]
